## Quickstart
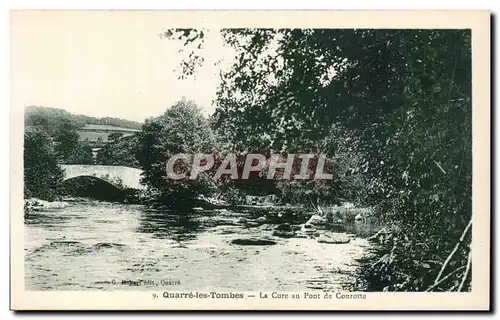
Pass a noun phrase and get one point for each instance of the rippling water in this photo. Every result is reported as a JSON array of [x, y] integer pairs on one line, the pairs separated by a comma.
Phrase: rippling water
[[95, 245]]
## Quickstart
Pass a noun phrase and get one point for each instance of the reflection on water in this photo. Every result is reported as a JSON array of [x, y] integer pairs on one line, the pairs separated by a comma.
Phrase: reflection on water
[[178, 226], [107, 246]]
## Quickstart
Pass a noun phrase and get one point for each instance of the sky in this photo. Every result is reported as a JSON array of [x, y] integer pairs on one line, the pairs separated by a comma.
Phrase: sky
[[106, 64]]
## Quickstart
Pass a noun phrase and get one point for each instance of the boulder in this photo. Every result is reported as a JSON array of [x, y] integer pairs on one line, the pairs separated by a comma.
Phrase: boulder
[[266, 227], [316, 220], [284, 234], [334, 238], [284, 231], [307, 229], [283, 227], [301, 235], [312, 224], [31, 203], [37, 204], [57, 205]]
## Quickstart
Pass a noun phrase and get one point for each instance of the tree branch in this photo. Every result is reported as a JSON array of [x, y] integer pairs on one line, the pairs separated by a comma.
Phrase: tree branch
[[445, 278], [453, 252], [469, 261]]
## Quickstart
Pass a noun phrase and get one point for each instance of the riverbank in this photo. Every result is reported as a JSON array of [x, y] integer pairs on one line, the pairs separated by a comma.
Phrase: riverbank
[[34, 204]]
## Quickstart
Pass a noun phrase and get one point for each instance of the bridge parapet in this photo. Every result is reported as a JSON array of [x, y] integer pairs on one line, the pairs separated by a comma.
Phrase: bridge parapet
[[119, 176]]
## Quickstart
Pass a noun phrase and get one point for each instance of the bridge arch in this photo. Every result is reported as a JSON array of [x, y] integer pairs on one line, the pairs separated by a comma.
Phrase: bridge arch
[[93, 178], [92, 187]]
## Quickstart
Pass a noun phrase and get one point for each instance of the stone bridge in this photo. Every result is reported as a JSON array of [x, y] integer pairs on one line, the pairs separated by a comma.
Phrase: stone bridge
[[119, 176]]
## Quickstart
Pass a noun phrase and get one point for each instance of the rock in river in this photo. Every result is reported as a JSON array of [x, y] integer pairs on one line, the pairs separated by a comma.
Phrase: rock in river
[[261, 219], [284, 231], [266, 227], [37, 204], [334, 238], [283, 227], [307, 229], [253, 242], [316, 220]]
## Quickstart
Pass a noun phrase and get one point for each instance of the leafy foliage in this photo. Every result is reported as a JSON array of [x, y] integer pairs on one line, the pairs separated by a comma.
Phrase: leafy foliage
[[181, 129], [68, 147], [119, 152], [42, 174]]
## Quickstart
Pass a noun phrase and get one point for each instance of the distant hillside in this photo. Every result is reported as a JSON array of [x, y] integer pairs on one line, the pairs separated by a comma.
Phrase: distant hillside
[[51, 118]]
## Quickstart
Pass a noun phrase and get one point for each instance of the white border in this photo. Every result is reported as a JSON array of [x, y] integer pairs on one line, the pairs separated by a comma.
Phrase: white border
[[144, 4]]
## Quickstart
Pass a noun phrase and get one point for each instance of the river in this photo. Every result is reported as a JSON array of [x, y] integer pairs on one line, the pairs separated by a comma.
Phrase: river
[[94, 245]]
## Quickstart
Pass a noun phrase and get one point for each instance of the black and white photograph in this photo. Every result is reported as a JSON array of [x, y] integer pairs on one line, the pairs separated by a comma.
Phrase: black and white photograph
[[257, 164]]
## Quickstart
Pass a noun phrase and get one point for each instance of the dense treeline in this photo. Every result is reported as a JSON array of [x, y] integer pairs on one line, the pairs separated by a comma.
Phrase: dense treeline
[[50, 118], [397, 103]]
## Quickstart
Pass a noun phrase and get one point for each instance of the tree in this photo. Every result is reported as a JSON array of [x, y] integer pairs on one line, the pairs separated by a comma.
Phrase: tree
[[42, 174], [181, 129]]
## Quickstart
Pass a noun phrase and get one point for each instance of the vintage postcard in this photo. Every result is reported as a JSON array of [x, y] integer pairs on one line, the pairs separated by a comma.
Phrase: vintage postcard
[[250, 160]]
